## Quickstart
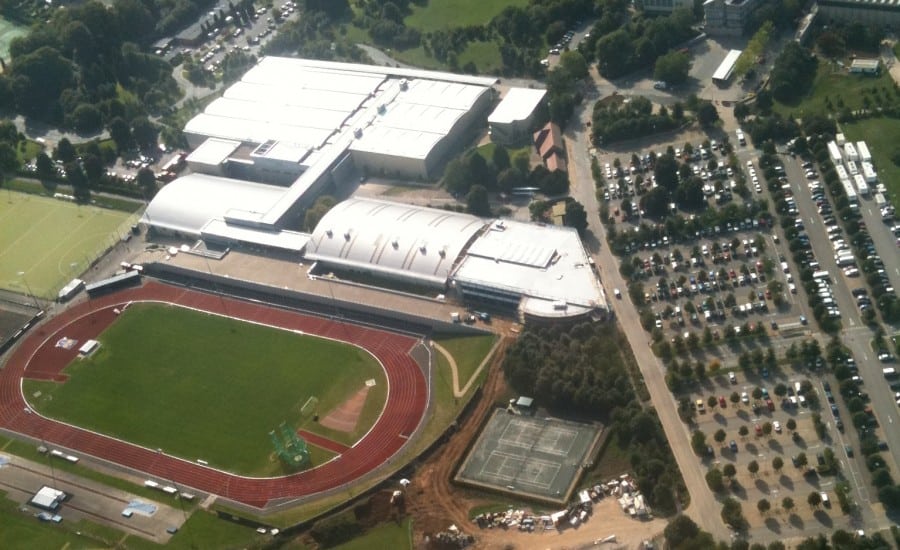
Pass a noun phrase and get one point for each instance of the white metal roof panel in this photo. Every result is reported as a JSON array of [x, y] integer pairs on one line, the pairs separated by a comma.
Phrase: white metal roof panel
[[213, 151], [411, 242], [383, 140], [284, 240], [449, 95], [188, 203], [285, 71], [286, 95], [302, 117], [517, 104], [255, 131]]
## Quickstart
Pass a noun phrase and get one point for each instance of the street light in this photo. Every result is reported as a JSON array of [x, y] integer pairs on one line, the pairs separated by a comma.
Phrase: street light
[[28, 289]]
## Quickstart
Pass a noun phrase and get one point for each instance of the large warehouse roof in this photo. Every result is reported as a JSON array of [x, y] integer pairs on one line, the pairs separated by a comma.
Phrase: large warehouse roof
[[187, 204], [546, 265], [398, 240], [517, 104]]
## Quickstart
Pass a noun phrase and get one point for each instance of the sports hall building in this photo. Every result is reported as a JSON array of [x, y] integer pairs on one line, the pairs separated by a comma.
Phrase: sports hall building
[[291, 128]]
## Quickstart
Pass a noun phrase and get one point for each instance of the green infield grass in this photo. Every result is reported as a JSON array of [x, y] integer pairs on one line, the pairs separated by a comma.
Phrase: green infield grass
[[387, 535], [444, 14], [45, 242], [882, 136], [468, 351], [201, 386]]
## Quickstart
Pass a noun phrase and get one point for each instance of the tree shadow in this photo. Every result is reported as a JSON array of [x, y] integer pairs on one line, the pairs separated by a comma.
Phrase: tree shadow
[[720, 419], [762, 486], [752, 448], [738, 490], [823, 518], [773, 525], [776, 446], [743, 415], [786, 482], [796, 521]]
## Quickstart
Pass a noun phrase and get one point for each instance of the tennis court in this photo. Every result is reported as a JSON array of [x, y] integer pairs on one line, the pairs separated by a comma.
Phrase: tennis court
[[539, 458], [45, 242]]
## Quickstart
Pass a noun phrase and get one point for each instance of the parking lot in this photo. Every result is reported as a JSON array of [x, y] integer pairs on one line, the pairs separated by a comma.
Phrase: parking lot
[[771, 441]]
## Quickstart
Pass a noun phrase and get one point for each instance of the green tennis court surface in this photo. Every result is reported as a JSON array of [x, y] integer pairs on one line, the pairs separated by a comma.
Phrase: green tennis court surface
[[45, 242]]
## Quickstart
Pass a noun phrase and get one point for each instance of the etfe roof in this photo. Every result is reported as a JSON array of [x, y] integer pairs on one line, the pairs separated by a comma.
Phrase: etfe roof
[[392, 239], [188, 203], [518, 104], [546, 265]]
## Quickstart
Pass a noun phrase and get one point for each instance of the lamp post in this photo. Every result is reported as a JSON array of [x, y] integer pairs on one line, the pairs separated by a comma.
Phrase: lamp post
[[28, 289]]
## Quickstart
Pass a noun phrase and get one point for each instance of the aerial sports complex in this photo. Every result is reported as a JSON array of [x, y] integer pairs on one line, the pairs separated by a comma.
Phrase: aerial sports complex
[[224, 240]]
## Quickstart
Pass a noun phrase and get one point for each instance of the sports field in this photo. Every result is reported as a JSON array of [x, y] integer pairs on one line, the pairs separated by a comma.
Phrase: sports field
[[202, 386], [444, 14], [50, 241]]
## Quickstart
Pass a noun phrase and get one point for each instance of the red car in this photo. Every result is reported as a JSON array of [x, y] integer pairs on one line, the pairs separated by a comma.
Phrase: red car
[[758, 429], [722, 401]]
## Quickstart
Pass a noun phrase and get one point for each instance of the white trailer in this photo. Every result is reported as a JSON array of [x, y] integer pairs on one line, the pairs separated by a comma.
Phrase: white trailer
[[868, 172], [850, 192], [862, 188], [841, 170], [863, 150], [850, 151], [834, 152], [841, 140], [852, 167], [880, 200]]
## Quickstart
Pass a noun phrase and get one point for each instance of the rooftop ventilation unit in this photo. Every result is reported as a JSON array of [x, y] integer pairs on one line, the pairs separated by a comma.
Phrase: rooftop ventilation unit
[[347, 236], [357, 133], [382, 109], [329, 233], [423, 249], [442, 253], [404, 84], [395, 243]]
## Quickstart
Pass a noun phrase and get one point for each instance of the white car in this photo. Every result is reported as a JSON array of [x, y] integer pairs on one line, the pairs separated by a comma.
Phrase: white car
[[745, 398], [617, 293], [776, 426]]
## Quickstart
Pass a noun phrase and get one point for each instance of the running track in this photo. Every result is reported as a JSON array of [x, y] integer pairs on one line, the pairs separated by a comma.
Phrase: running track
[[37, 357]]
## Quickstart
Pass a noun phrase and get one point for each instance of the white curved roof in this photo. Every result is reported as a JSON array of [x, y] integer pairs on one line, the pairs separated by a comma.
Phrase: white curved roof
[[400, 240], [190, 202]]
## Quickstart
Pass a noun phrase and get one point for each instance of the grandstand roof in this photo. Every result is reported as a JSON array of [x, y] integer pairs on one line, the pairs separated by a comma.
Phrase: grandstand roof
[[188, 203], [546, 265], [518, 104], [399, 240]]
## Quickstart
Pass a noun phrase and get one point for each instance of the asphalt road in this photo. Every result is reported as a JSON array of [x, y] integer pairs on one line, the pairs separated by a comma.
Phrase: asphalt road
[[704, 508]]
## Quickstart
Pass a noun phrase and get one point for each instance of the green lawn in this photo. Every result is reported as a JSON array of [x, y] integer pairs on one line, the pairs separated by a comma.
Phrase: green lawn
[[444, 14], [836, 84], [882, 135], [51, 241], [21, 530], [469, 352], [387, 535], [225, 384]]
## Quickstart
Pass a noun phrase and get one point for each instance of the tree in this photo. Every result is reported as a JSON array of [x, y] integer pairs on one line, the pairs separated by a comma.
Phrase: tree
[[777, 463], [672, 68], [456, 178], [753, 467], [9, 160], [146, 180], [120, 132], [715, 480], [77, 179], [767, 428], [729, 471], [698, 442], [500, 158], [787, 503], [791, 424], [575, 216], [65, 151], [719, 436], [801, 460], [763, 506], [318, 210], [735, 397], [707, 115], [743, 431], [574, 65], [44, 166], [814, 499], [666, 172], [477, 201], [733, 515]]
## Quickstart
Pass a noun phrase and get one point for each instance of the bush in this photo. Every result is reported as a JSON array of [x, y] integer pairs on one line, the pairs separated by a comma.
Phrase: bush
[[336, 529]]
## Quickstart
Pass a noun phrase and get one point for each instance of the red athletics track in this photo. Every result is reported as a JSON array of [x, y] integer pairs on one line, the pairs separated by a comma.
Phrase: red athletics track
[[38, 357]]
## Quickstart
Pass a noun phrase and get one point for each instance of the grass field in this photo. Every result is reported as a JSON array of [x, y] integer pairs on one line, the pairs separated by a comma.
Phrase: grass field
[[469, 352], [8, 31], [882, 135], [834, 84], [51, 241], [224, 383], [443, 14], [386, 535]]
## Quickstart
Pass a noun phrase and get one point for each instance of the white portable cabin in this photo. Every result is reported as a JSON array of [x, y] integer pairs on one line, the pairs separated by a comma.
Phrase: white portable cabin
[[863, 150], [841, 170], [868, 172], [850, 151], [880, 200], [841, 140], [849, 191], [852, 167], [862, 188], [834, 152]]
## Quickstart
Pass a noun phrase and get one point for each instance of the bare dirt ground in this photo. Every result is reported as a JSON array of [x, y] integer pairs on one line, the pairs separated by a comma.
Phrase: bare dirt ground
[[435, 503]]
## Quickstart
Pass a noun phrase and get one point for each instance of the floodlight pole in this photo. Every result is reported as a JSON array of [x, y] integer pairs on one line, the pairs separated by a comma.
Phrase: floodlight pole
[[50, 463], [28, 289]]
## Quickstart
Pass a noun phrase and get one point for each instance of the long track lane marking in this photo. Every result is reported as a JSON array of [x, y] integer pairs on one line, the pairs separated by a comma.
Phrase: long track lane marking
[[376, 448]]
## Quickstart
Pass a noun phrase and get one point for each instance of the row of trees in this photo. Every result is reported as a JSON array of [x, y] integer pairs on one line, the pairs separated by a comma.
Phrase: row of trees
[[581, 370], [614, 119], [501, 174]]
